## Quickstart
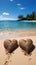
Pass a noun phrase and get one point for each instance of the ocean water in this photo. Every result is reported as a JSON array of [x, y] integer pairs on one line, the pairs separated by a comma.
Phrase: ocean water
[[9, 25]]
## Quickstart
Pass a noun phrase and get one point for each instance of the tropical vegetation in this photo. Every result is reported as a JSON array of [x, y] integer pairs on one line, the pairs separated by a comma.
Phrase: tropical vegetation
[[31, 16]]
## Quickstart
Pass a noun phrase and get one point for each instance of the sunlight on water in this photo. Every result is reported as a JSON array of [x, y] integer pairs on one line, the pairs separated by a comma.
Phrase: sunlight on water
[[16, 25]]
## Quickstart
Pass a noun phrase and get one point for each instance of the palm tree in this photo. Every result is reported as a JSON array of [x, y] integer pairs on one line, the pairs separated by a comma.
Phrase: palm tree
[[33, 15], [28, 17]]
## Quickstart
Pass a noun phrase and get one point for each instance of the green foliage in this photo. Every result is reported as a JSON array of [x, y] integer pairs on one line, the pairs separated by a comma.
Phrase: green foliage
[[28, 17]]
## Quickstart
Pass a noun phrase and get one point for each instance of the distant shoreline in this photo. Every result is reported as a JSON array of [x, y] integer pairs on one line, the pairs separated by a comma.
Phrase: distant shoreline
[[18, 20], [28, 20]]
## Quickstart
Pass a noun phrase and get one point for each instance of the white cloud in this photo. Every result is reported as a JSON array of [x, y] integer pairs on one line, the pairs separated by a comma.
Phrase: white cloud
[[5, 13], [22, 8], [18, 4], [11, 0]]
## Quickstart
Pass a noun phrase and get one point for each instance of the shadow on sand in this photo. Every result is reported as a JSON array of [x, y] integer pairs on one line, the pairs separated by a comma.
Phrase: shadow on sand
[[32, 49]]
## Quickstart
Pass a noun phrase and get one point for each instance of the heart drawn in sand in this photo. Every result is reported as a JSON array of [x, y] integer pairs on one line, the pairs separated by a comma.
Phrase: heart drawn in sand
[[10, 45], [26, 45]]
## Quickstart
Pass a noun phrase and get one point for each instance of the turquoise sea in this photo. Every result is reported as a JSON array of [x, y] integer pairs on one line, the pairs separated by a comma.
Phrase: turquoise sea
[[10, 25]]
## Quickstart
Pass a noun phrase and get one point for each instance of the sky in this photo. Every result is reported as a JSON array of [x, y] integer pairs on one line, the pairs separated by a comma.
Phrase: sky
[[11, 9]]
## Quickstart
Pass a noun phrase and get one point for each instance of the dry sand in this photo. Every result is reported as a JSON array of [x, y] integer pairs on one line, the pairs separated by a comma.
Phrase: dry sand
[[17, 57]]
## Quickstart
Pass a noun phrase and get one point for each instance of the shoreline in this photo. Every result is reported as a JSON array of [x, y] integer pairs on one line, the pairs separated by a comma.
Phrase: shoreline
[[18, 34], [29, 21]]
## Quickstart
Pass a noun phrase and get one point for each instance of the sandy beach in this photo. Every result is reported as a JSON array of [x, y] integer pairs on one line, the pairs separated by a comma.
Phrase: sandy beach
[[29, 20], [17, 57]]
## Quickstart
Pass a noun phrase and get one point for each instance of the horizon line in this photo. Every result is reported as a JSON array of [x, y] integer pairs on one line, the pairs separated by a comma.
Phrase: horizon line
[[8, 18]]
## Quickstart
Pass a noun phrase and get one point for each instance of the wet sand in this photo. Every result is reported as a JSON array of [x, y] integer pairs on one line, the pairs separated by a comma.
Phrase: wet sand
[[17, 57]]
